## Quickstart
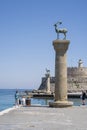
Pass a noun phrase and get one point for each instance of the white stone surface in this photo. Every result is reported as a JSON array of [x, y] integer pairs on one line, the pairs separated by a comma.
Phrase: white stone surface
[[45, 118]]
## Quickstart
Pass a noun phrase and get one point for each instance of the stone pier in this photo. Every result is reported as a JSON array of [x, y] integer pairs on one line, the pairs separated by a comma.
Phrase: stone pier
[[60, 47]]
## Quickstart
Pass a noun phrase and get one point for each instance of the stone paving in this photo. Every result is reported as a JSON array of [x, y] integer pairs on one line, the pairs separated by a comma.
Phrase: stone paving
[[45, 118]]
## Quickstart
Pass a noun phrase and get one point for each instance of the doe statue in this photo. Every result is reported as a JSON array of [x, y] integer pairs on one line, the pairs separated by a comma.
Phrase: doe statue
[[60, 30], [47, 71]]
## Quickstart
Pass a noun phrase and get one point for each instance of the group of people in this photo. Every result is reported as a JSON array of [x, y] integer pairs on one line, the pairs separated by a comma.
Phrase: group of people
[[22, 101], [19, 100]]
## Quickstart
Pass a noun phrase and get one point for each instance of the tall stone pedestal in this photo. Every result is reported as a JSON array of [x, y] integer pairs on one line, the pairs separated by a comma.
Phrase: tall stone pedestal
[[60, 47], [48, 84]]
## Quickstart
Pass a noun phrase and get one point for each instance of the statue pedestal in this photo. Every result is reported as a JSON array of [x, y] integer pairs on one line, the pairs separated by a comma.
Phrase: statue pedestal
[[61, 104], [48, 84], [60, 47]]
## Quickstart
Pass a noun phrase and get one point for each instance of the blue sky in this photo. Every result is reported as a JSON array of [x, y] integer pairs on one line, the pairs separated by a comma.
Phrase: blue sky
[[26, 35]]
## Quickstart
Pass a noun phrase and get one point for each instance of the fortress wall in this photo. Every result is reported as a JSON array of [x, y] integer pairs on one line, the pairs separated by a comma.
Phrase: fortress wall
[[74, 71], [76, 79]]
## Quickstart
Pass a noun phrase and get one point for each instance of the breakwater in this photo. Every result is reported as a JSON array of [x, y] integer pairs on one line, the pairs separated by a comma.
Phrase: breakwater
[[46, 95]]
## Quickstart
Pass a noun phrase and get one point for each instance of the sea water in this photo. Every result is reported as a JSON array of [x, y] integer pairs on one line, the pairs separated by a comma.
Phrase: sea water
[[7, 99]]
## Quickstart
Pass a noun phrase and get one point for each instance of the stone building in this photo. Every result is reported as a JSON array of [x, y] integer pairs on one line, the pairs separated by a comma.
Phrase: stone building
[[76, 79]]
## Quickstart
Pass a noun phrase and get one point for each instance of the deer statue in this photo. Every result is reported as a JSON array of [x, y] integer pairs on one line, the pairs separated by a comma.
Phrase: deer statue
[[47, 71], [64, 30]]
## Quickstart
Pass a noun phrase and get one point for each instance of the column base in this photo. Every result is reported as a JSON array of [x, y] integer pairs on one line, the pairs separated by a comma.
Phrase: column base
[[61, 104]]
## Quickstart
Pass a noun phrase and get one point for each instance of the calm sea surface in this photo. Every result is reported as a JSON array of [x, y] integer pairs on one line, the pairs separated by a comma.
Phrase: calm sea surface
[[7, 99]]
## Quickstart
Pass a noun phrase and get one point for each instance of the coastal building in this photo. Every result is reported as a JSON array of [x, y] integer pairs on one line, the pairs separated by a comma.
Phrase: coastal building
[[76, 79]]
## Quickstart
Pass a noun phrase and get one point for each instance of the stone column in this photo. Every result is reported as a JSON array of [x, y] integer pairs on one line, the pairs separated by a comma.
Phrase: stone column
[[48, 84], [60, 47]]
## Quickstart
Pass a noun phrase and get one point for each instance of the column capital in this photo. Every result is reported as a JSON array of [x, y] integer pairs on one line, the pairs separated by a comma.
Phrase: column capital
[[61, 45]]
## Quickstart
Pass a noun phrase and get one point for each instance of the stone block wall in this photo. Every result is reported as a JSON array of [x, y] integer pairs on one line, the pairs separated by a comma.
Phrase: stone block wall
[[76, 80]]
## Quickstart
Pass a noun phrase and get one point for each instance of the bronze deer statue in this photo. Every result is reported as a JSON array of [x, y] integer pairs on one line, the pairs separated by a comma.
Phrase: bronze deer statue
[[61, 30]]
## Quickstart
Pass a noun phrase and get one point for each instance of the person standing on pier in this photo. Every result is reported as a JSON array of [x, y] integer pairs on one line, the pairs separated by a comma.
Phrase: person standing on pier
[[17, 98], [83, 97]]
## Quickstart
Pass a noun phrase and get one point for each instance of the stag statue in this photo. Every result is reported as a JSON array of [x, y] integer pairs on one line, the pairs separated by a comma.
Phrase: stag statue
[[47, 71], [61, 30]]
